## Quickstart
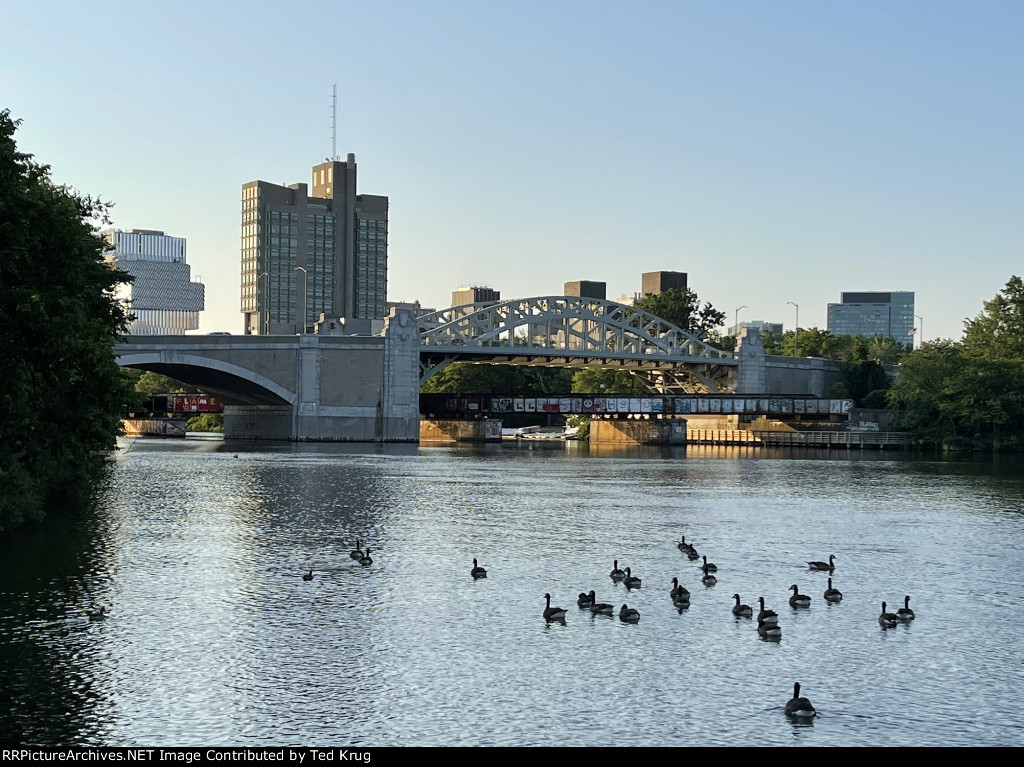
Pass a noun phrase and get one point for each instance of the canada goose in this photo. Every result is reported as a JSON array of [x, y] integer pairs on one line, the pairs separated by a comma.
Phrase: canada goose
[[769, 630], [831, 594], [741, 610], [308, 576], [585, 600], [628, 614], [553, 613], [681, 600], [678, 591], [97, 613], [710, 567], [683, 545], [617, 574], [797, 706], [708, 579], [477, 571], [766, 616], [357, 552], [692, 554], [830, 565], [365, 559], [599, 608], [905, 613], [631, 581], [798, 599], [887, 620]]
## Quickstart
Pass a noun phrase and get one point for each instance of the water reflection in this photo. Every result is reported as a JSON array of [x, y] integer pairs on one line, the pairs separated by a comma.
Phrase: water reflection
[[214, 636]]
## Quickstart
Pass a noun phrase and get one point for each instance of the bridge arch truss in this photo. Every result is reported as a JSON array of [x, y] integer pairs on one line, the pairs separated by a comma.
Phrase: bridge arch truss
[[571, 331]]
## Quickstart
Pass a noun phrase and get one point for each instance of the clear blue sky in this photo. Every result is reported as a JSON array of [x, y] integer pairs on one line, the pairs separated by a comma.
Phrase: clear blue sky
[[776, 151]]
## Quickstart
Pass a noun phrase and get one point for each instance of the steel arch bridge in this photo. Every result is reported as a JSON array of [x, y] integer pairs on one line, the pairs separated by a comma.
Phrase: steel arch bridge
[[574, 332]]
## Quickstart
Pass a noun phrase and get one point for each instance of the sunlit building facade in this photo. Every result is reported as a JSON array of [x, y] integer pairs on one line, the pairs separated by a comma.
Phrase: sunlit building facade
[[162, 298], [305, 255]]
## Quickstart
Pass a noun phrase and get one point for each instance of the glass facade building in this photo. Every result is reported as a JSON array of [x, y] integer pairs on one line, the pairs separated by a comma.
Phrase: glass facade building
[[305, 255], [870, 314], [162, 299]]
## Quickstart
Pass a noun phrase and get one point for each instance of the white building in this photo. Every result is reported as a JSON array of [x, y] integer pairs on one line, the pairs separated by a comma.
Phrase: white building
[[163, 298]]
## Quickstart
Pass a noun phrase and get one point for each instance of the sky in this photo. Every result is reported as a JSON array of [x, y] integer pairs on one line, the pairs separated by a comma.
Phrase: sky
[[778, 152]]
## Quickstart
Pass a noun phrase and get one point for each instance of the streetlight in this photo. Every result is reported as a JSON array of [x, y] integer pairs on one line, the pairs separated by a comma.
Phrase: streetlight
[[797, 314], [305, 294], [266, 308], [920, 330], [736, 323]]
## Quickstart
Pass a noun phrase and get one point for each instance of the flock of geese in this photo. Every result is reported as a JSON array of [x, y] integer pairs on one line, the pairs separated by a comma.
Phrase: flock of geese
[[358, 554], [767, 620]]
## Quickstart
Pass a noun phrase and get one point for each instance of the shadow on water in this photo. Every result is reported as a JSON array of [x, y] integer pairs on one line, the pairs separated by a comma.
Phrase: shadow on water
[[51, 573]]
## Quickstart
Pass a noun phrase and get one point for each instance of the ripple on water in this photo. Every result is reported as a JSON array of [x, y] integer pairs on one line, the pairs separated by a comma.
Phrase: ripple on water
[[215, 637]]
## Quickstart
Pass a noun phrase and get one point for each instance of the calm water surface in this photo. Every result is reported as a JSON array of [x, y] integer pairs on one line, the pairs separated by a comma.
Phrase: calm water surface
[[215, 639]]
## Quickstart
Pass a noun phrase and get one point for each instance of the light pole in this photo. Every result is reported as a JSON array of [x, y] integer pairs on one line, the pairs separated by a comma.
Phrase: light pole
[[920, 331], [797, 306], [266, 307], [305, 294], [736, 320]]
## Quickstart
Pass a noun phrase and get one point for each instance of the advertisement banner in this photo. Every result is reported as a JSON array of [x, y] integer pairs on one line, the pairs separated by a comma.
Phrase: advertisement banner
[[622, 404], [645, 404], [531, 405], [519, 405], [726, 405]]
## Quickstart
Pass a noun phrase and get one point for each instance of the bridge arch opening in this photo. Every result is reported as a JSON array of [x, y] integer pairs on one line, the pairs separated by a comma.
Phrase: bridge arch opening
[[231, 384]]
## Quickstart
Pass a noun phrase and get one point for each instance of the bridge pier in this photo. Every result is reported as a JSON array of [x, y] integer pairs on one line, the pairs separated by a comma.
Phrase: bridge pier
[[667, 431]]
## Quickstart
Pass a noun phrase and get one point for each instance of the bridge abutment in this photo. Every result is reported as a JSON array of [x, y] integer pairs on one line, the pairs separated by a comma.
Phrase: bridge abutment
[[667, 431]]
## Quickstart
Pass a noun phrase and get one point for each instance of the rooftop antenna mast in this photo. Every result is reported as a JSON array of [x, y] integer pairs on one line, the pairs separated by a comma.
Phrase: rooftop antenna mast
[[334, 122]]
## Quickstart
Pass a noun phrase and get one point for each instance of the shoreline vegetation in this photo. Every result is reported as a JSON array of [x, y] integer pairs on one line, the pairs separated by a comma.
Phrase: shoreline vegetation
[[64, 394]]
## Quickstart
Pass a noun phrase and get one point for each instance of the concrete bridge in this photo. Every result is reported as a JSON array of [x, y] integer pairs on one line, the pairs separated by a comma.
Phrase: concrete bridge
[[323, 387], [329, 386]]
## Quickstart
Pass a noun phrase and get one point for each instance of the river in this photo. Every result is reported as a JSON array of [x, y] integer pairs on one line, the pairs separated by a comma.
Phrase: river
[[197, 548]]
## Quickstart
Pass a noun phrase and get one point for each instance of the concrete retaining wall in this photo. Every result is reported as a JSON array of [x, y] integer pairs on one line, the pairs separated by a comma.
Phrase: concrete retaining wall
[[440, 431], [669, 431]]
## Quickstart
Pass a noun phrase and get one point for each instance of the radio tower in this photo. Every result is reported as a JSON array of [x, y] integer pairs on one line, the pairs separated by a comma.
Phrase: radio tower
[[334, 122]]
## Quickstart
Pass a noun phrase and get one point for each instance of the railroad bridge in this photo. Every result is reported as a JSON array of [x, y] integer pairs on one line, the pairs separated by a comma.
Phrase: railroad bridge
[[328, 386]]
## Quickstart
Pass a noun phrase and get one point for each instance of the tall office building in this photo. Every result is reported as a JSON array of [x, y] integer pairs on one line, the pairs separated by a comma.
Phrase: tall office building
[[475, 294], [871, 314], [653, 283], [305, 255], [162, 298], [585, 289]]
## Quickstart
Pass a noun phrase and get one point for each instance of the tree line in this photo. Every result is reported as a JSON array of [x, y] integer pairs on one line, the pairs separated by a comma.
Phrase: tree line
[[63, 393], [969, 394]]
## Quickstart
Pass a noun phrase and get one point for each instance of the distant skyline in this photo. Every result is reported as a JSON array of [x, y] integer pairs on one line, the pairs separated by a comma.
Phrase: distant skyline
[[776, 152]]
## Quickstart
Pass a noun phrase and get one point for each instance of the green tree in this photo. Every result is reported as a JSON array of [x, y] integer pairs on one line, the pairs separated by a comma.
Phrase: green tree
[[470, 378], [154, 383], [684, 310], [63, 392], [885, 350], [998, 331], [607, 381]]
